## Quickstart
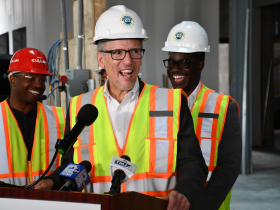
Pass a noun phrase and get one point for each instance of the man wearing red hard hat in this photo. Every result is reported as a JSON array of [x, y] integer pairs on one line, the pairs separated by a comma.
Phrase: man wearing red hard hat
[[28, 129]]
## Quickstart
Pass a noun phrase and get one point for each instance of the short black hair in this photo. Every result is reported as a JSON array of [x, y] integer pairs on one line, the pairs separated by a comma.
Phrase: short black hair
[[200, 55]]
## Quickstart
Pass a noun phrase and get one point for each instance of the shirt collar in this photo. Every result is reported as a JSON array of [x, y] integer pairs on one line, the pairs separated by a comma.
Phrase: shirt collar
[[192, 97], [134, 92]]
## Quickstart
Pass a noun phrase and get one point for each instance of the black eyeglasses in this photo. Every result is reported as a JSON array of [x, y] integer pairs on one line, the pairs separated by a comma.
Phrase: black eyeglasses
[[32, 78], [183, 64], [120, 54]]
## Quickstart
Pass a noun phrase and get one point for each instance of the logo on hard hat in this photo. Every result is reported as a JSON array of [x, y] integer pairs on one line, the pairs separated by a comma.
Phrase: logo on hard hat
[[179, 36], [14, 61], [127, 21], [39, 61]]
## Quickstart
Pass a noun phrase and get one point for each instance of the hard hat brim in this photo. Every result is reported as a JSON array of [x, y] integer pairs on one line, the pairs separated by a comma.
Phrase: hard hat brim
[[120, 36], [184, 49]]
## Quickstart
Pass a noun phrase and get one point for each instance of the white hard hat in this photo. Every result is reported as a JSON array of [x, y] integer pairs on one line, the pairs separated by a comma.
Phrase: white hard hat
[[119, 22], [187, 37]]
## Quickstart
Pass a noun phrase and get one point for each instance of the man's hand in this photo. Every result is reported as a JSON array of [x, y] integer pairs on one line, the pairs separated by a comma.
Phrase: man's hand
[[46, 184], [177, 201]]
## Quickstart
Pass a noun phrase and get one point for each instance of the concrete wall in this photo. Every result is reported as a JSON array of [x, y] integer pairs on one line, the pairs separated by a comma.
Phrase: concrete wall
[[158, 17], [42, 20]]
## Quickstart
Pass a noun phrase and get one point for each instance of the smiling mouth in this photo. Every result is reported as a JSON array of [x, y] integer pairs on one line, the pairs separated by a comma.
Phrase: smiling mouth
[[126, 73], [178, 78], [34, 92]]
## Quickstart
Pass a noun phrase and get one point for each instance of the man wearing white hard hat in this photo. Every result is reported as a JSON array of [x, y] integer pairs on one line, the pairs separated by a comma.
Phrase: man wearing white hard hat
[[151, 125], [215, 116]]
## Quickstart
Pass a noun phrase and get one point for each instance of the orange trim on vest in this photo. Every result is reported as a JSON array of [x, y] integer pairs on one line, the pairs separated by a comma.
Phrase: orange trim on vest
[[7, 138], [58, 131], [91, 138], [98, 179], [201, 110], [152, 130], [132, 116], [214, 129], [78, 107], [170, 131], [222, 129], [46, 134]]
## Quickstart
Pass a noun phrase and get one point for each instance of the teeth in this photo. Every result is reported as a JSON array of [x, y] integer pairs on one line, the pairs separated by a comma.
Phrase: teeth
[[177, 77], [126, 71], [34, 92]]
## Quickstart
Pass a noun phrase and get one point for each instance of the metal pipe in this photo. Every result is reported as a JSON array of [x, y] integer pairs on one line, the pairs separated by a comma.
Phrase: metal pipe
[[64, 31], [244, 98], [65, 44], [80, 33]]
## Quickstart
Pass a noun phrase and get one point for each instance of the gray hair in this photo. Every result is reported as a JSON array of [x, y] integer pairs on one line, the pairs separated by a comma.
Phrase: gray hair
[[101, 43]]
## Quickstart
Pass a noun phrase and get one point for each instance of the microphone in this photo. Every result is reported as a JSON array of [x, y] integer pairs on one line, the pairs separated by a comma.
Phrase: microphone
[[86, 116], [76, 176], [121, 170]]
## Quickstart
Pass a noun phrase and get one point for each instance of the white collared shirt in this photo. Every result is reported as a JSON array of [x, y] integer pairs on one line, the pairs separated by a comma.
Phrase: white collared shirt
[[192, 97], [120, 113]]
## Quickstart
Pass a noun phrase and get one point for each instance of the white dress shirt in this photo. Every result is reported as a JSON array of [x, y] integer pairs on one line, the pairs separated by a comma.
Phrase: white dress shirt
[[192, 97], [120, 113]]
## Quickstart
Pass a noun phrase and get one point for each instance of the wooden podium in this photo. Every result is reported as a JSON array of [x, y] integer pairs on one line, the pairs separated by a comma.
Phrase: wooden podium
[[123, 201]]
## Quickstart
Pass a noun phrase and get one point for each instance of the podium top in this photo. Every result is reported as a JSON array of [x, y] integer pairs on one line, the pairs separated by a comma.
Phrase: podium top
[[123, 201]]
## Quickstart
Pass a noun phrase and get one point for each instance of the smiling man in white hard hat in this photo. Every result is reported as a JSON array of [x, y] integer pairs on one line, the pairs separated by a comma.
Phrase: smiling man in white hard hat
[[151, 125], [215, 116]]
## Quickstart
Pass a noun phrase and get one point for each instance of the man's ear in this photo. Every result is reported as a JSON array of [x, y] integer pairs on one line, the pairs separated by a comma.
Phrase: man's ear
[[100, 59], [201, 65], [13, 81]]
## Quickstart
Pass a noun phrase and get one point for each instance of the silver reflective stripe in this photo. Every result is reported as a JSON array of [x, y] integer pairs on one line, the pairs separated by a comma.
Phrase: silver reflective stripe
[[36, 177], [4, 169], [209, 176], [147, 185], [161, 156], [52, 126], [86, 99], [85, 153], [161, 105], [206, 150], [99, 187], [207, 123], [16, 181]]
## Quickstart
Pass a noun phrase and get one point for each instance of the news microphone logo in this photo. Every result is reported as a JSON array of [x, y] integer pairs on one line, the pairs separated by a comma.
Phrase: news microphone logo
[[78, 174], [118, 163]]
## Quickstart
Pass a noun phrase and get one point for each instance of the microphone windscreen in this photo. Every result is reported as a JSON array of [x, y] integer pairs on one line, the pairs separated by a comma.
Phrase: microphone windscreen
[[125, 157], [89, 113], [87, 164]]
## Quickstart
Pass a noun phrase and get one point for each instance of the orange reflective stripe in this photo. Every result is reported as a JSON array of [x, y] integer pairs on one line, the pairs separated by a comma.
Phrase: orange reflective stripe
[[19, 174], [222, 129], [148, 175], [157, 193], [7, 137], [123, 187], [91, 138], [101, 179], [58, 132], [201, 110], [78, 107], [152, 130], [214, 129], [46, 134], [170, 130]]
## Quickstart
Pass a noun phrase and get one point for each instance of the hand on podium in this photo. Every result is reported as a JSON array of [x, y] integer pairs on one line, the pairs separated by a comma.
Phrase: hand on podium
[[177, 201], [46, 184]]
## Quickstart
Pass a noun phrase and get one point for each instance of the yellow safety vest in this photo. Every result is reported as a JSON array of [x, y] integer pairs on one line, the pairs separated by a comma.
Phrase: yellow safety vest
[[151, 141], [15, 167], [209, 114]]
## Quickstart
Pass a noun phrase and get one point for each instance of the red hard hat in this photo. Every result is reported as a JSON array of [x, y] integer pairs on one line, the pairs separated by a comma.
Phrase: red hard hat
[[29, 60]]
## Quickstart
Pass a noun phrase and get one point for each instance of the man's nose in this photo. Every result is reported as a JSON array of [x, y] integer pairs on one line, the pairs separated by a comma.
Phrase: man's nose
[[127, 58]]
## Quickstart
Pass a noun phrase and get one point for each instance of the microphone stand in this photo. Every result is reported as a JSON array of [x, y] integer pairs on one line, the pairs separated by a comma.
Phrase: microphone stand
[[49, 167]]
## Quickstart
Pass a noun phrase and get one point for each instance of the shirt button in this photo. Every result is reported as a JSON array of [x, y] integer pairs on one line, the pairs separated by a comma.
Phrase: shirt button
[[120, 109]]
